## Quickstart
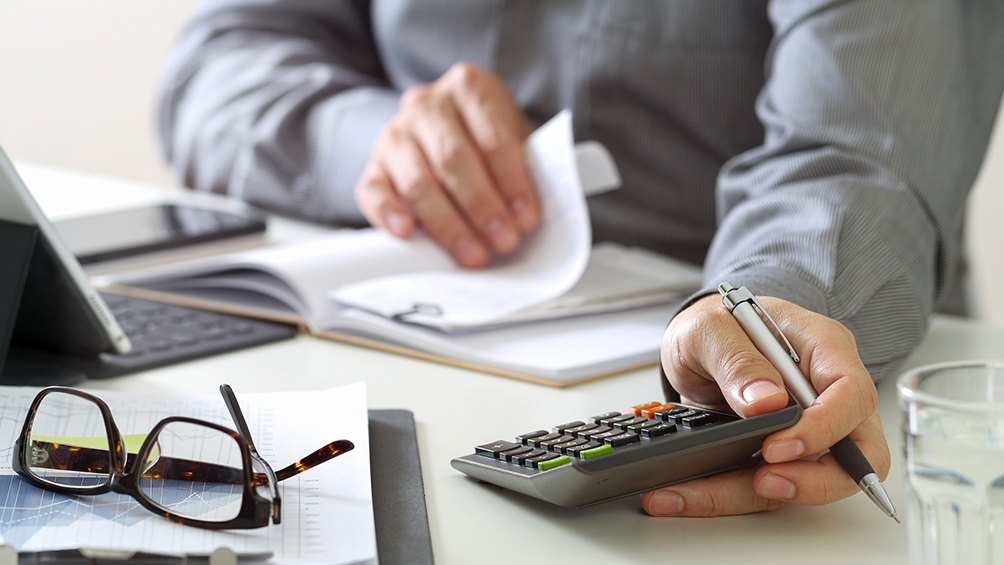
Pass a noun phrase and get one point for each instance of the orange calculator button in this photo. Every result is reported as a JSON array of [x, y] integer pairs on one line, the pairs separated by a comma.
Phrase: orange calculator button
[[638, 409]]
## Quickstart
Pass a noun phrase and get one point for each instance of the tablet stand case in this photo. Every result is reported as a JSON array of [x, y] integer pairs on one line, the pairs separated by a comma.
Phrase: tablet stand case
[[18, 245], [402, 521]]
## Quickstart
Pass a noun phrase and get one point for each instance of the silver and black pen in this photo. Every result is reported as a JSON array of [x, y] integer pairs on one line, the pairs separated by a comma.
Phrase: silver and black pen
[[753, 318]]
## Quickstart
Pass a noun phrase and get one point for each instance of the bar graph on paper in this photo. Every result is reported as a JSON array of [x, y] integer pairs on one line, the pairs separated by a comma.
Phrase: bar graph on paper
[[327, 512]]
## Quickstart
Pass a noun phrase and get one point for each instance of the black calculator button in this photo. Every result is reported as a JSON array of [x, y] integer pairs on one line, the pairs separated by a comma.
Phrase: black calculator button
[[590, 434], [617, 419], [536, 441], [554, 444], [670, 415], [521, 458], [658, 431], [575, 451], [625, 438], [678, 417], [577, 431], [535, 461], [512, 454], [626, 424], [564, 447], [600, 418], [639, 427], [698, 420], [494, 448], [561, 428], [602, 438], [525, 438]]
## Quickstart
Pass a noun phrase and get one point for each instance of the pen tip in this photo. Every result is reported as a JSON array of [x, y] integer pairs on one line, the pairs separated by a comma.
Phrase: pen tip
[[895, 517]]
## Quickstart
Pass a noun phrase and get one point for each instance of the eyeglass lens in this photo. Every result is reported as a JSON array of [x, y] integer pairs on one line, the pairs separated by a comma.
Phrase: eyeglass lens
[[191, 470], [69, 443]]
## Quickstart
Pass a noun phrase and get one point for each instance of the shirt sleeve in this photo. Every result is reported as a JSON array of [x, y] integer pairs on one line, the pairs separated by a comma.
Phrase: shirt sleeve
[[277, 103], [876, 116]]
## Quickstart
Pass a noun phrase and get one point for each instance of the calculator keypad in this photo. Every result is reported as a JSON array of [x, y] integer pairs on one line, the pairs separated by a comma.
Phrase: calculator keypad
[[600, 435]]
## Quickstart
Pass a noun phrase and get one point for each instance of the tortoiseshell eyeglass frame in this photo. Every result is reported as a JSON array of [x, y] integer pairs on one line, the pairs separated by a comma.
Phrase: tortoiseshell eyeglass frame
[[123, 469]]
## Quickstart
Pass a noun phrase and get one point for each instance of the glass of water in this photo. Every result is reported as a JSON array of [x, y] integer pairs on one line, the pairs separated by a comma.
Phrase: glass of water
[[953, 437]]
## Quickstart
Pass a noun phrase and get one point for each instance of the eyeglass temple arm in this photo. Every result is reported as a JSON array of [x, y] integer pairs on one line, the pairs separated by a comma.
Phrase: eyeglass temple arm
[[326, 453], [230, 399]]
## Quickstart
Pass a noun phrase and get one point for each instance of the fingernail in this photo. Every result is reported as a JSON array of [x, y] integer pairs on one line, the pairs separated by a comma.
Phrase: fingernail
[[468, 251], [665, 503], [784, 450], [503, 238], [398, 223], [759, 390], [525, 217], [776, 487]]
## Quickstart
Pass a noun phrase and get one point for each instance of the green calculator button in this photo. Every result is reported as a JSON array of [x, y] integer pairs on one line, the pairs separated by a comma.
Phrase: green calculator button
[[545, 465], [596, 451]]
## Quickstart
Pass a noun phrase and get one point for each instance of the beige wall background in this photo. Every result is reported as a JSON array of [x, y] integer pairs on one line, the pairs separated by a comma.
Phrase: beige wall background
[[79, 81]]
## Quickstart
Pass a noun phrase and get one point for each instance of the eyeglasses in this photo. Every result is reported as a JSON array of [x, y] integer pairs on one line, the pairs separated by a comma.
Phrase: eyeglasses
[[190, 471]]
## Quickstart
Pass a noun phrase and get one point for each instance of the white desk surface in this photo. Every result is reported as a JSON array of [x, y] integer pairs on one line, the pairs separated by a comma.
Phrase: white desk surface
[[457, 409]]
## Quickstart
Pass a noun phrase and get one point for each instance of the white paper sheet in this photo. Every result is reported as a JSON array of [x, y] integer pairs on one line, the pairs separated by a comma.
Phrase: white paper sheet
[[327, 510]]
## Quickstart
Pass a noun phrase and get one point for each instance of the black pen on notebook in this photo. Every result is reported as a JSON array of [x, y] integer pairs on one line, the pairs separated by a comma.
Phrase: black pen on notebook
[[751, 315]]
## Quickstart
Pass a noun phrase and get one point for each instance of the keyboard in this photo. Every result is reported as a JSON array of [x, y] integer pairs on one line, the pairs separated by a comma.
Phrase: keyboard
[[616, 454], [161, 334]]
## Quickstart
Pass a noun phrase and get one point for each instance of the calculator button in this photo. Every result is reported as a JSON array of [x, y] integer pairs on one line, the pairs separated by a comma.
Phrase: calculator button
[[552, 463], [670, 415], [577, 431], [590, 434], [525, 438], [658, 431], [617, 419], [564, 447], [698, 420], [643, 425], [602, 438], [623, 439], [679, 416], [599, 418], [654, 411], [494, 448], [554, 444], [561, 428], [577, 450], [521, 459], [596, 451], [637, 409], [536, 441], [626, 424], [512, 454], [534, 462]]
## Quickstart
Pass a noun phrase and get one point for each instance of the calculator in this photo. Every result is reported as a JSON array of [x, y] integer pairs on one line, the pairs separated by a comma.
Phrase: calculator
[[617, 454]]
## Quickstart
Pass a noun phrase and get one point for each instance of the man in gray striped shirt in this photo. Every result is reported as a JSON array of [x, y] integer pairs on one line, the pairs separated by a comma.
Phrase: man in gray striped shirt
[[817, 151]]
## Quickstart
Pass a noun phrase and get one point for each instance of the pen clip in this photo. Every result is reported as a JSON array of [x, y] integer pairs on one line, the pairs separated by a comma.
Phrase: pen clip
[[732, 296]]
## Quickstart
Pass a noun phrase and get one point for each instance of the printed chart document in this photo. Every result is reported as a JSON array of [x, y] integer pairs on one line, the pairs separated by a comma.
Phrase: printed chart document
[[558, 311], [327, 511]]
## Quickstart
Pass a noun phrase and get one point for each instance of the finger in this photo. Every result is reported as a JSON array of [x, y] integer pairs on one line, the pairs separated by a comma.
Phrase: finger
[[822, 480], [724, 494], [457, 164], [709, 358], [499, 130], [412, 179], [381, 205], [847, 394]]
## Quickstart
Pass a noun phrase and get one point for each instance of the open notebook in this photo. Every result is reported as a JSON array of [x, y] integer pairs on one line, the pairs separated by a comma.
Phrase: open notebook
[[559, 311]]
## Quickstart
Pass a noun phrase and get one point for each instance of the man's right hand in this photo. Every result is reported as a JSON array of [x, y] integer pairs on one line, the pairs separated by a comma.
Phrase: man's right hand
[[452, 162]]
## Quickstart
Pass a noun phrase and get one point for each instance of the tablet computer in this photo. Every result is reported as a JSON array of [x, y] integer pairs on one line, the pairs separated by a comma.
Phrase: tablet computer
[[59, 310]]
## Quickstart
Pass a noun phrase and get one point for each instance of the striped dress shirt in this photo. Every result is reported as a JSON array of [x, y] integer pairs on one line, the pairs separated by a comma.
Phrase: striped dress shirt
[[820, 151]]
